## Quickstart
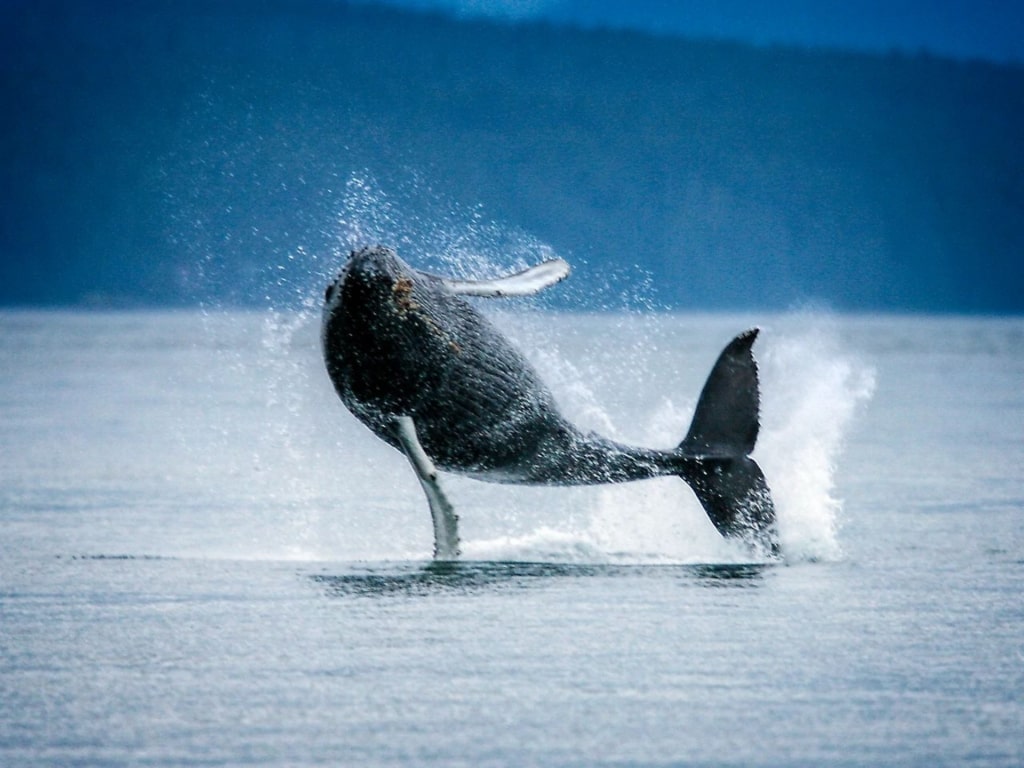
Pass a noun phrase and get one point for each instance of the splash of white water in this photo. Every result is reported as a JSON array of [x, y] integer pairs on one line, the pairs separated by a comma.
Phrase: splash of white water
[[813, 388]]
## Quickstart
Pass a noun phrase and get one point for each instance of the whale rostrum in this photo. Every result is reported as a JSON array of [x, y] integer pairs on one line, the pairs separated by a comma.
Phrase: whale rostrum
[[429, 374]]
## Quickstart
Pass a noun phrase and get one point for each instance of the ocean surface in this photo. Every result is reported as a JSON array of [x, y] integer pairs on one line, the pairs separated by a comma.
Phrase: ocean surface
[[205, 560]]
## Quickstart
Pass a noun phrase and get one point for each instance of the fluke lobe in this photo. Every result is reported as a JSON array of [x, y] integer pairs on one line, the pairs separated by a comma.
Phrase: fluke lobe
[[431, 376]]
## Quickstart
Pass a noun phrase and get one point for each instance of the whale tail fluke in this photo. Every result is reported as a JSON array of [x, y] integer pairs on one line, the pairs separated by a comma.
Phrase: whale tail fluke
[[716, 450]]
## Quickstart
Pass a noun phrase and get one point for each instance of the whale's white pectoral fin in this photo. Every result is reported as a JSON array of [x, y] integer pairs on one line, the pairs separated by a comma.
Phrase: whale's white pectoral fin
[[446, 522], [525, 283]]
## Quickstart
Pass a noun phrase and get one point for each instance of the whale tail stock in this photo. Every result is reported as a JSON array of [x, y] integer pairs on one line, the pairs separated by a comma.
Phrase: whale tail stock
[[716, 451]]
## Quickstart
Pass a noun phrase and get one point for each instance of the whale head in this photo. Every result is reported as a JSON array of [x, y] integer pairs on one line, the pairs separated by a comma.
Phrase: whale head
[[371, 302], [369, 271], [384, 333]]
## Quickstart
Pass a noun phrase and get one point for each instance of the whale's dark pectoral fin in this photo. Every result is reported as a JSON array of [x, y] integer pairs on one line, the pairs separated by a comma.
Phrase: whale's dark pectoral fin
[[446, 522], [728, 483], [525, 283]]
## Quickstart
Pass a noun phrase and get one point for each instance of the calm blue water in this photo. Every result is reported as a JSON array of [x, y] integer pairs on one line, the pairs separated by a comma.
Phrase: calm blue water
[[205, 560]]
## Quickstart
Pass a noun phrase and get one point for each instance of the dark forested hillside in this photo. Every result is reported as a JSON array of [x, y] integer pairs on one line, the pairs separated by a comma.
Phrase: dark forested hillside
[[170, 152]]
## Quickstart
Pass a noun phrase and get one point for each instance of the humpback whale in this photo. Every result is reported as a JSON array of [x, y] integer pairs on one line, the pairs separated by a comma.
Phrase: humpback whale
[[420, 366]]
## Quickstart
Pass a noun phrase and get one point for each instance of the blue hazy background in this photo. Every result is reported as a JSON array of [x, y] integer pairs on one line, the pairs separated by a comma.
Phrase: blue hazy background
[[736, 154]]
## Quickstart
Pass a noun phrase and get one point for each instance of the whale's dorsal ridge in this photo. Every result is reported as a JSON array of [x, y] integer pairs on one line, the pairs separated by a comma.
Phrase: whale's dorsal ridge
[[525, 283]]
